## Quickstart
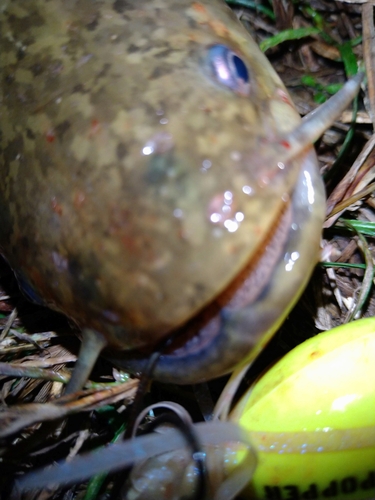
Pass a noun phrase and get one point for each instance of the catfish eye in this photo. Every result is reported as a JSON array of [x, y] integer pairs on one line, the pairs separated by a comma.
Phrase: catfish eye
[[229, 69]]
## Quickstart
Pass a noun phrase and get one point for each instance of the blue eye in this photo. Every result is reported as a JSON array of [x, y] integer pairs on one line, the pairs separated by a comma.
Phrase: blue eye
[[229, 69]]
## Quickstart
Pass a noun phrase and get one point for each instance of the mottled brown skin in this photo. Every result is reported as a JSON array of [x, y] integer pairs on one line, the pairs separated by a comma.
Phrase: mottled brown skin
[[118, 144]]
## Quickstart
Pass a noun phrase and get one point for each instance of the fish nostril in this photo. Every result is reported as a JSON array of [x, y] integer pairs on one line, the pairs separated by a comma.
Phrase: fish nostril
[[229, 69]]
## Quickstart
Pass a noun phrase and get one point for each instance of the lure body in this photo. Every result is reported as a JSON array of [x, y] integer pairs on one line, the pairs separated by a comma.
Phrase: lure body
[[311, 419], [140, 193]]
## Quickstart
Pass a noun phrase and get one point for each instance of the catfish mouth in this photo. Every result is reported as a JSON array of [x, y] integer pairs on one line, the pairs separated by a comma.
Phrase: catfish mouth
[[203, 330], [244, 290]]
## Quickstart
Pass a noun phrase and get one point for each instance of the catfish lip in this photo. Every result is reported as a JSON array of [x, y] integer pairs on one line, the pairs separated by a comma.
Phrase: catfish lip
[[200, 331]]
